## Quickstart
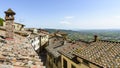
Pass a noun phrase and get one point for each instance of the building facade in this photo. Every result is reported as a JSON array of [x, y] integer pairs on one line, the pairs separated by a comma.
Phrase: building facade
[[19, 27], [39, 40]]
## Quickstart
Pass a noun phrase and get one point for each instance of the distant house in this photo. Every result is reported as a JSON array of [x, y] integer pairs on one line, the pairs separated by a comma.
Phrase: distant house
[[18, 26]]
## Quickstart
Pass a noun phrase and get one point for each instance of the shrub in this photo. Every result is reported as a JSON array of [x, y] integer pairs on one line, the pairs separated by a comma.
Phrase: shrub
[[1, 21]]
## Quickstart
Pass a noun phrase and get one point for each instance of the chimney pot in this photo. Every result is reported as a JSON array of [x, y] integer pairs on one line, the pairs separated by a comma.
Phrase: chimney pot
[[95, 38]]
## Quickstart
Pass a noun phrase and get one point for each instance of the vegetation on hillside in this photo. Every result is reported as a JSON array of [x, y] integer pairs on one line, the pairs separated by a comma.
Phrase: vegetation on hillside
[[88, 35]]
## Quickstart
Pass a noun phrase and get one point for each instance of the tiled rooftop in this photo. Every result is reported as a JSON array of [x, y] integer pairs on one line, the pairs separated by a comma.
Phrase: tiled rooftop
[[68, 48], [43, 31], [102, 53], [18, 53]]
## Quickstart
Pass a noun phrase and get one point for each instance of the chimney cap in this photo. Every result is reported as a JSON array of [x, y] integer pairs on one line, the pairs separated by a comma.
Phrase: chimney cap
[[95, 35], [10, 11]]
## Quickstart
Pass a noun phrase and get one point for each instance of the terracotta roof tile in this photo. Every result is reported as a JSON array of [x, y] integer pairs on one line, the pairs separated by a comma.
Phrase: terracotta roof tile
[[18, 53], [102, 53], [68, 48]]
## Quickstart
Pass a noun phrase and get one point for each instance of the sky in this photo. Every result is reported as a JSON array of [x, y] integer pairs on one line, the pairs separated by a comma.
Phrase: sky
[[65, 14]]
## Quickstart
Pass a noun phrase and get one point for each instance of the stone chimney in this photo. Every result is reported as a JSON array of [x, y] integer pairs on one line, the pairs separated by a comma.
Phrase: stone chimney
[[9, 19], [95, 38]]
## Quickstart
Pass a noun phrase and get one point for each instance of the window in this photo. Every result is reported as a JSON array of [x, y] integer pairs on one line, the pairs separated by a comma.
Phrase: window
[[64, 63], [55, 61], [72, 66]]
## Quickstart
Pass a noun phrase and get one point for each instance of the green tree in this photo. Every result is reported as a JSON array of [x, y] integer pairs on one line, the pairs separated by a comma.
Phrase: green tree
[[1, 21]]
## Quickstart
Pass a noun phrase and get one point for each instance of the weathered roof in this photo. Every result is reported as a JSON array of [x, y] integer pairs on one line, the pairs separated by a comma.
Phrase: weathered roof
[[43, 31], [18, 53], [68, 48], [102, 53]]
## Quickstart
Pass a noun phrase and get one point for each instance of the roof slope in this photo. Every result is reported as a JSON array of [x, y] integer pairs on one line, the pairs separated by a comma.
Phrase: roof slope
[[69, 47], [18, 52], [102, 53]]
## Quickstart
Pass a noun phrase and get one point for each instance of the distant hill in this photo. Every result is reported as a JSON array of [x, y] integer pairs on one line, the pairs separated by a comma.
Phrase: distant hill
[[53, 30], [88, 35]]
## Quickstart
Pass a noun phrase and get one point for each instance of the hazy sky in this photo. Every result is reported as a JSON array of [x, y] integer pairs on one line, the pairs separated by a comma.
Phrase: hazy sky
[[65, 14]]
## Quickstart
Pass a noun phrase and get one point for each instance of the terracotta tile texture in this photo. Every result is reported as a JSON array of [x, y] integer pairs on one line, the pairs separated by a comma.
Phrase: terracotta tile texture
[[18, 53]]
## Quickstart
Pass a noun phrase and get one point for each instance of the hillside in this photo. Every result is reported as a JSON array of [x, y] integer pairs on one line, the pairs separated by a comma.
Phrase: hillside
[[112, 35]]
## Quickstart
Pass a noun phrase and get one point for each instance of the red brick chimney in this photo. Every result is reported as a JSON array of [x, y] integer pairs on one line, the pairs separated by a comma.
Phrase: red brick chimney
[[95, 38]]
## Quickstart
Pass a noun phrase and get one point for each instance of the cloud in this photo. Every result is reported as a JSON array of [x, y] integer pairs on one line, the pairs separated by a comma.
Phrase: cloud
[[65, 22], [117, 17], [69, 17]]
